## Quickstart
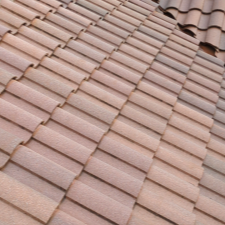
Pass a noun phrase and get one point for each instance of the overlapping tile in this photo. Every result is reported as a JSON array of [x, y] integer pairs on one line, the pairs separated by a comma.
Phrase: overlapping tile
[[113, 115], [36, 204], [202, 19]]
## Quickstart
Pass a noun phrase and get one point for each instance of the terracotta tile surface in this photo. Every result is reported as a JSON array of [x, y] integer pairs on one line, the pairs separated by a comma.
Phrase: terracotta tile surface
[[35, 204], [10, 215], [204, 19], [43, 167], [114, 211], [110, 114]]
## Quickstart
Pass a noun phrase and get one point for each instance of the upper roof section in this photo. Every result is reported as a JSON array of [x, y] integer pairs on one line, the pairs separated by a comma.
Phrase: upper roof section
[[205, 19]]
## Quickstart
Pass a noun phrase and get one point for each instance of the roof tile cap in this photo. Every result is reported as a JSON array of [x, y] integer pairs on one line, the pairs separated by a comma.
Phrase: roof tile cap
[[16, 130], [213, 36], [150, 2], [189, 128], [173, 4], [216, 19], [192, 18], [87, 51], [218, 5], [196, 4]]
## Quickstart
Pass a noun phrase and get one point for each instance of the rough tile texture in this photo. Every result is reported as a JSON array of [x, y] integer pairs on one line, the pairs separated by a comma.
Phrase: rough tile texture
[[109, 114]]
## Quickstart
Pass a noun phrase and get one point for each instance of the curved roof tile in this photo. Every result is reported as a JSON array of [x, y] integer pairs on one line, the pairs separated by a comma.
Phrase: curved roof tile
[[119, 120], [205, 19]]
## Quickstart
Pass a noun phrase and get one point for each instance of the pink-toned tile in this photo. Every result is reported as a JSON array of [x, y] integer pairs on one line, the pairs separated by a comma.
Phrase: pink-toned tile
[[19, 116], [62, 144], [61, 217], [114, 176], [55, 156], [26, 198], [125, 153], [78, 212], [11, 215], [173, 183], [135, 135], [33, 181], [43, 167], [99, 203], [178, 162], [107, 189], [165, 208]]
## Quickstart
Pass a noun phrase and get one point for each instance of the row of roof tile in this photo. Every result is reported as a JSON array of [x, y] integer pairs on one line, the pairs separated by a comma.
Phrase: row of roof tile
[[110, 103]]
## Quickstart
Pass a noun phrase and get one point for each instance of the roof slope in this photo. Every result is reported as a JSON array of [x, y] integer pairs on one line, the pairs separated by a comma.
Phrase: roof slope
[[108, 115], [204, 18]]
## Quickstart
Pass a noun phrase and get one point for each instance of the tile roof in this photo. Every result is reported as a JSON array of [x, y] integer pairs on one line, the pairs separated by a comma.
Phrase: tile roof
[[109, 115], [204, 19]]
